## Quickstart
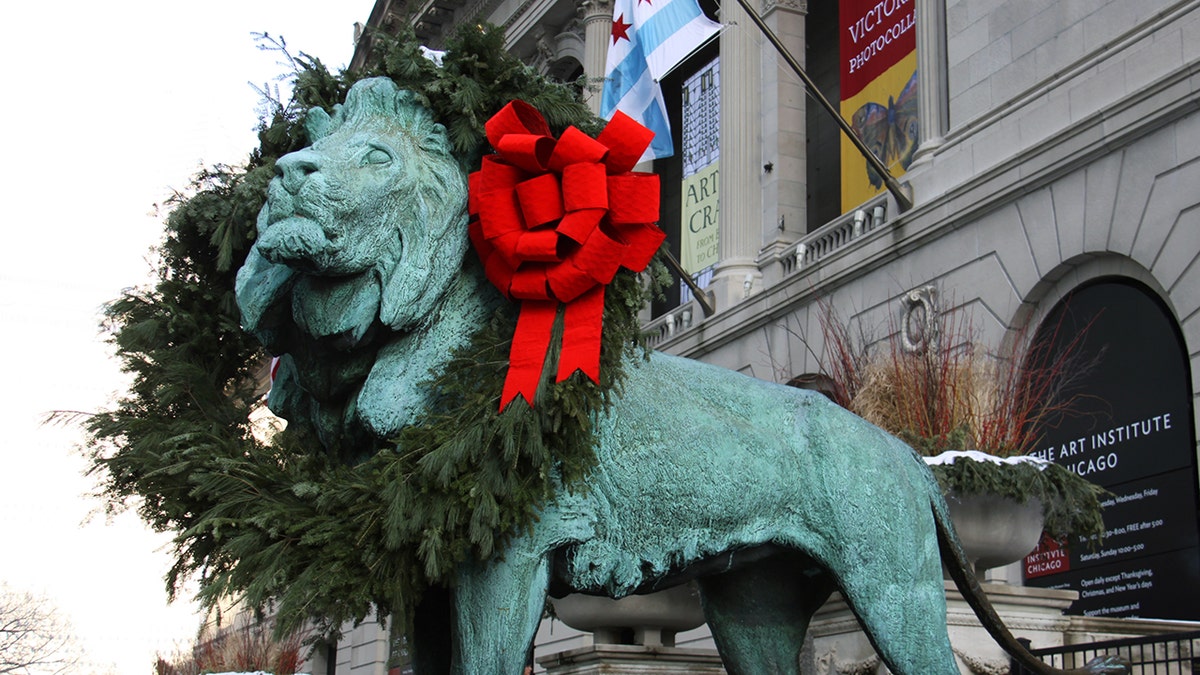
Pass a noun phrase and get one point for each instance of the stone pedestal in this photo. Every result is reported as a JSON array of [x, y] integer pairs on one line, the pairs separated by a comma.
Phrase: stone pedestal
[[633, 660], [650, 620], [839, 645]]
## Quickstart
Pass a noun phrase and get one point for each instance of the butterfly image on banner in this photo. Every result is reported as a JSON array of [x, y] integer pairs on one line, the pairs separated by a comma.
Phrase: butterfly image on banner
[[889, 131]]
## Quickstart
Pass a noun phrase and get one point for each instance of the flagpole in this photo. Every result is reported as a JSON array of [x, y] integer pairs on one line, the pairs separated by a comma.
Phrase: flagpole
[[704, 297], [903, 201]]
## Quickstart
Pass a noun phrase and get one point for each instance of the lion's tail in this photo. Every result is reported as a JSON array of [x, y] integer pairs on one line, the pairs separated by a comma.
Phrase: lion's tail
[[964, 578]]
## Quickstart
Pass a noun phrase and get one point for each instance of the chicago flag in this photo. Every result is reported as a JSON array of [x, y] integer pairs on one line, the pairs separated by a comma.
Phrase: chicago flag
[[649, 38]]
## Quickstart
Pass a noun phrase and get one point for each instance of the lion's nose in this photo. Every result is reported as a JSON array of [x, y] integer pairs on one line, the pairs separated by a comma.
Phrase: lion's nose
[[294, 169]]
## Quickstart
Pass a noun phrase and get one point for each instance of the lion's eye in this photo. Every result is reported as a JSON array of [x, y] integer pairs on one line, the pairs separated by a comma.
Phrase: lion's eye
[[377, 156]]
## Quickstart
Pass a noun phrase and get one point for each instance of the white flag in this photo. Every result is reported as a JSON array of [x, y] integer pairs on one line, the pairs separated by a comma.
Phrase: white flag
[[649, 38]]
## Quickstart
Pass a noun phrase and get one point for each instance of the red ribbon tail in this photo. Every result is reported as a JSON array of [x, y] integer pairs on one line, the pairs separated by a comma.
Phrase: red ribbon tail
[[582, 322], [527, 355]]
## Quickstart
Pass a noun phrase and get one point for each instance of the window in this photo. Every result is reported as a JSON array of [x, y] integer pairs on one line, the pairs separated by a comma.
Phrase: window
[[824, 165]]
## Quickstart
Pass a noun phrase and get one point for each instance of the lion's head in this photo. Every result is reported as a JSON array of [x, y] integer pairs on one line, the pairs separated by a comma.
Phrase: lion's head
[[378, 192], [361, 239]]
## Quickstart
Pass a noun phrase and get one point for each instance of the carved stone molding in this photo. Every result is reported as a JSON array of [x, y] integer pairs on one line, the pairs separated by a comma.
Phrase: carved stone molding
[[918, 321], [591, 8], [800, 6], [828, 664], [1014, 624], [573, 28], [827, 628], [980, 666], [517, 14]]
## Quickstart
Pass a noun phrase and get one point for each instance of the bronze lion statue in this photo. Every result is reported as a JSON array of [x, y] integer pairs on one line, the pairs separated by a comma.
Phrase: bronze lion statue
[[770, 497]]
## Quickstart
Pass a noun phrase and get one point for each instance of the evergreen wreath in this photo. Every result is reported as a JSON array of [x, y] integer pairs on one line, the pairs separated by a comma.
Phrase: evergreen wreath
[[282, 523], [1070, 504]]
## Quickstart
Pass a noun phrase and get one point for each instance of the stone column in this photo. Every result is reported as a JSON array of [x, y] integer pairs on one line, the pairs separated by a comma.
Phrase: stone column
[[737, 274], [597, 33], [784, 136], [931, 77]]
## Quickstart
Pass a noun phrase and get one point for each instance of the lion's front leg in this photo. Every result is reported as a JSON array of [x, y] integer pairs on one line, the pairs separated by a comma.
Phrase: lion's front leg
[[497, 607]]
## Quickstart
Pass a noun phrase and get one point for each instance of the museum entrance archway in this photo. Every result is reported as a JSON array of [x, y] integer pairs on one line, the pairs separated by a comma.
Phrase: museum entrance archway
[[1136, 438]]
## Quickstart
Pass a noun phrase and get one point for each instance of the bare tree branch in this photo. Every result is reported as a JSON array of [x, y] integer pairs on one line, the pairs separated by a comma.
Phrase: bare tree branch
[[34, 639]]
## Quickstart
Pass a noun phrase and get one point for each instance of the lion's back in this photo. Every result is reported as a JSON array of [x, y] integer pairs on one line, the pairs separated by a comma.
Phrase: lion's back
[[706, 418], [696, 460]]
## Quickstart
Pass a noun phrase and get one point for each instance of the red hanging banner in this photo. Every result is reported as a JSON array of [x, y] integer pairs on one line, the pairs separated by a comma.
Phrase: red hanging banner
[[878, 47]]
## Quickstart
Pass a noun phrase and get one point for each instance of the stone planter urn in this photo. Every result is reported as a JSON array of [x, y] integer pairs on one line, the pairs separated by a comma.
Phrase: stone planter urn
[[651, 620], [995, 530]]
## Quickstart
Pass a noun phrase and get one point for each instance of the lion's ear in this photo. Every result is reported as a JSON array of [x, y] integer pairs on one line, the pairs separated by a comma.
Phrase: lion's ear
[[436, 140], [317, 124]]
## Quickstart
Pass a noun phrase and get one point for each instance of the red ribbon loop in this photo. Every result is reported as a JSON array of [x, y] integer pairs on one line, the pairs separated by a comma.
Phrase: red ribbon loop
[[518, 117], [584, 187], [553, 221], [626, 140], [576, 147], [633, 197]]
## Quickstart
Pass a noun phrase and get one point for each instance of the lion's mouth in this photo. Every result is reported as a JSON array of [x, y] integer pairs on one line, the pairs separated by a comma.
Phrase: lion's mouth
[[294, 237], [297, 242]]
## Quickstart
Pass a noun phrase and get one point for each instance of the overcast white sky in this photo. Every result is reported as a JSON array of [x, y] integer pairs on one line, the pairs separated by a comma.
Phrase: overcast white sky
[[107, 107]]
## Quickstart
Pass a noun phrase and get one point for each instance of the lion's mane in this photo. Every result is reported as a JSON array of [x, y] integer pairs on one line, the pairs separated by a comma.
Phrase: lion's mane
[[360, 250]]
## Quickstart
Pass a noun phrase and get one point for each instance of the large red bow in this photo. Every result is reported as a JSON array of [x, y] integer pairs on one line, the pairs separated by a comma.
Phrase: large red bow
[[552, 221]]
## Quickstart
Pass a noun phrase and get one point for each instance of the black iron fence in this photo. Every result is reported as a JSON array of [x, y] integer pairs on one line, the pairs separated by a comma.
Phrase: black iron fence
[[1170, 654]]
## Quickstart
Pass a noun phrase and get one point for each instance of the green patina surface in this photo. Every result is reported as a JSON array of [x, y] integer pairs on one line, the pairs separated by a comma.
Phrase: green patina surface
[[358, 278]]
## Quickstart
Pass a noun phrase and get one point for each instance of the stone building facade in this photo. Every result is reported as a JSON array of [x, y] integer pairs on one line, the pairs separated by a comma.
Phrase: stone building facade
[[1059, 149]]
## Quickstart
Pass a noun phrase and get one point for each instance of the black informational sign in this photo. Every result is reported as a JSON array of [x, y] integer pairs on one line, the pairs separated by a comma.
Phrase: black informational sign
[[1134, 438]]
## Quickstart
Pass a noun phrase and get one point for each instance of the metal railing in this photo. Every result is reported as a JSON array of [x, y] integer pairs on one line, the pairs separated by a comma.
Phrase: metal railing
[[1170, 654]]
